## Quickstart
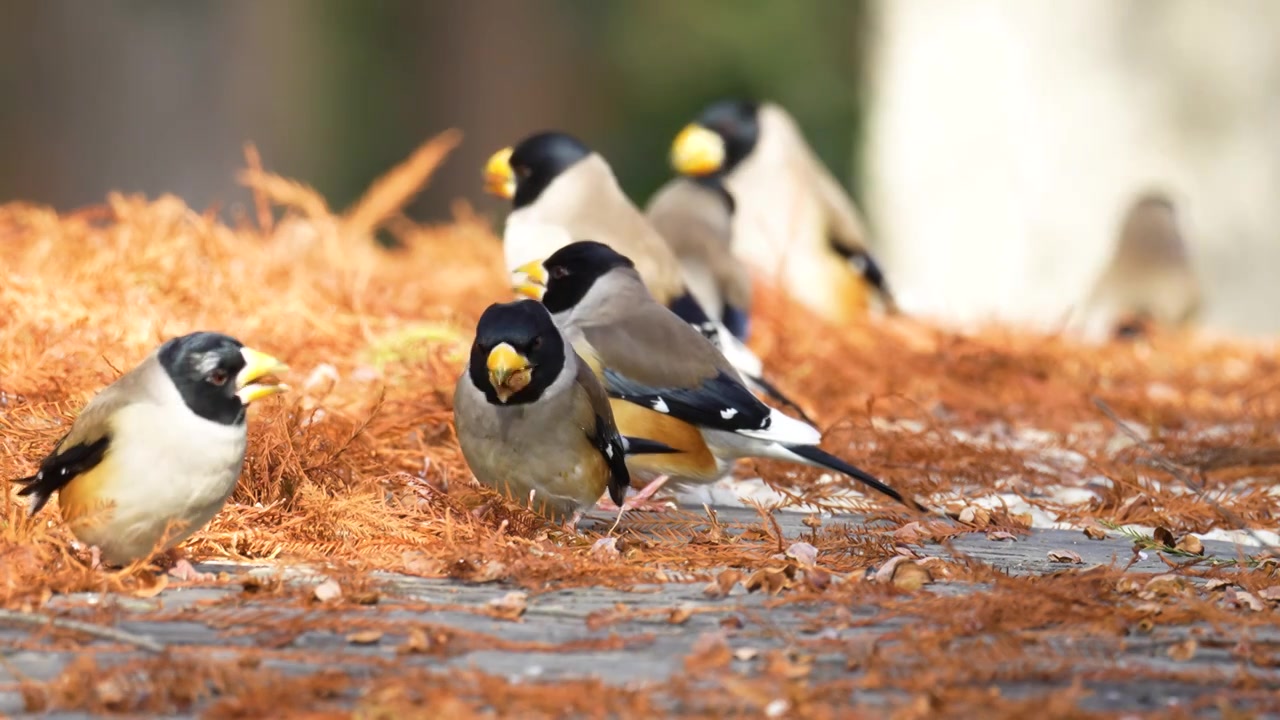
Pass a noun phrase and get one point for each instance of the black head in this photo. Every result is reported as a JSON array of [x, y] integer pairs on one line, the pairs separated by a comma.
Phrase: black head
[[574, 268], [539, 159], [517, 353], [737, 122], [204, 366]]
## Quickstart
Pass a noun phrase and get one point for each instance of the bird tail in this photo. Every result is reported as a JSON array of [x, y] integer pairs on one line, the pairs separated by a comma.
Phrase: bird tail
[[642, 446], [815, 456]]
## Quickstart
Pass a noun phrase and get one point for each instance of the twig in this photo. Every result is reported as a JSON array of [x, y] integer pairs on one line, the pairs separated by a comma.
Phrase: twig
[[18, 617], [1177, 471]]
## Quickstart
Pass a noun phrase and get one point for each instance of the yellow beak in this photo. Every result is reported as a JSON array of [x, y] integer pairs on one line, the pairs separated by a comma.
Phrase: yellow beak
[[509, 371], [697, 151], [498, 178], [530, 280], [258, 365]]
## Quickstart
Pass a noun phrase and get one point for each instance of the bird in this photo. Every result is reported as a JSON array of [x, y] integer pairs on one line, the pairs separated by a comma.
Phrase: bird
[[562, 191], [695, 215], [650, 358], [534, 422], [794, 221], [155, 455], [1149, 279]]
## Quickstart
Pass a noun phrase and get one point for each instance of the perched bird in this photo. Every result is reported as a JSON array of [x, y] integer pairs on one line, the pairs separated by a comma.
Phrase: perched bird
[[794, 222], [532, 419], [1149, 279], [155, 455], [650, 358], [561, 191], [695, 215]]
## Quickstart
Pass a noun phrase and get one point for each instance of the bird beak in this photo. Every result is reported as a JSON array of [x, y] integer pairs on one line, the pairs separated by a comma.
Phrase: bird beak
[[258, 366], [509, 371], [530, 280], [498, 178], [697, 151]]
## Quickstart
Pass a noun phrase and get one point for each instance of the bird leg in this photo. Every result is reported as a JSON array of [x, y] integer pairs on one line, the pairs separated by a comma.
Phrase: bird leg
[[571, 525], [642, 500], [95, 557], [184, 570]]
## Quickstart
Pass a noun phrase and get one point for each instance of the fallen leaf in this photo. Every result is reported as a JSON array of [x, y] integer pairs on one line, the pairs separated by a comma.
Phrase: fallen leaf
[[365, 597], [1150, 608], [787, 666], [913, 533], [1244, 600], [771, 580], [903, 573], [260, 584], [416, 643], [364, 637], [606, 547], [153, 589], [1190, 544], [1184, 650], [509, 606], [679, 615], [803, 553], [1164, 586], [1094, 532], [709, 651], [723, 584], [732, 622], [976, 516], [1022, 520], [328, 590], [817, 578], [486, 572], [812, 521], [1065, 556], [997, 535], [416, 563], [777, 708], [1164, 536], [1218, 584], [1271, 594], [745, 654]]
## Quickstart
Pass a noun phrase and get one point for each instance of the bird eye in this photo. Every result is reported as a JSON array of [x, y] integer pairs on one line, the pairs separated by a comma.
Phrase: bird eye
[[523, 171], [559, 271], [536, 344], [219, 377]]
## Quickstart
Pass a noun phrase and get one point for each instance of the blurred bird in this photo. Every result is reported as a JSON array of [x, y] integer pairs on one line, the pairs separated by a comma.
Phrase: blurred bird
[[155, 455], [561, 191], [1149, 279], [695, 215], [793, 220], [650, 358], [534, 422]]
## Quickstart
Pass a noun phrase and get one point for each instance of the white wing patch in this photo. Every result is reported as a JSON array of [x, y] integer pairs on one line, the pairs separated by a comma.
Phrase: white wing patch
[[728, 413], [661, 406], [785, 429]]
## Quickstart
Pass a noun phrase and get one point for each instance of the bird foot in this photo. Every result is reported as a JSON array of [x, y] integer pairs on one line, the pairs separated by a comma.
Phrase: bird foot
[[644, 501], [95, 557], [184, 570], [571, 525]]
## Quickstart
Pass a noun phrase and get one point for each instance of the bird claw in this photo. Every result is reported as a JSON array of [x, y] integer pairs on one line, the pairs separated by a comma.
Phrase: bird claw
[[184, 570], [571, 525], [95, 557]]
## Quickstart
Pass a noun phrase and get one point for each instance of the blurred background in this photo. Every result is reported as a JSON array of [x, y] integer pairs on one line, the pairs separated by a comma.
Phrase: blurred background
[[993, 144]]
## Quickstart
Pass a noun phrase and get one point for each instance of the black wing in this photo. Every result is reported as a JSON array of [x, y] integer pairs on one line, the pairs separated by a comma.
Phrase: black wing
[[613, 448], [60, 468], [721, 403]]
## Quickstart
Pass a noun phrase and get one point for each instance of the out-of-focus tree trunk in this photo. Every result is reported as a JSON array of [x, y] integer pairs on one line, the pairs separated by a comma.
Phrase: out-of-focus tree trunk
[[1007, 137]]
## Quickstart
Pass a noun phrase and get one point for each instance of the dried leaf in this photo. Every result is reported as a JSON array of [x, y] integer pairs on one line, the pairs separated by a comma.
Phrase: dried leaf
[[913, 533], [1244, 600], [1218, 584], [509, 606], [152, 589], [723, 584], [1183, 651], [1164, 536], [710, 651], [416, 643], [1271, 594], [679, 615], [365, 597], [327, 590], [1095, 532], [364, 637], [1164, 586], [803, 553], [1065, 556], [998, 535], [1023, 520], [1190, 544], [772, 580], [812, 521], [787, 666], [903, 573], [745, 654], [732, 622], [975, 516], [606, 547]]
